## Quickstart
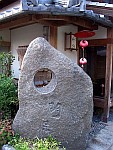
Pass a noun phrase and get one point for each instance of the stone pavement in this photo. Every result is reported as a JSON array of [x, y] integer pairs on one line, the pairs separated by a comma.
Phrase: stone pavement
[[103, 140]]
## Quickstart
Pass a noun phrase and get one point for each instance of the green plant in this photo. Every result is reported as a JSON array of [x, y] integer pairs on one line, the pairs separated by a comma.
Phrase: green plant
[[6, 60], [8, 95], [48, 143], [7, 136], [5, 131], [22, 145]]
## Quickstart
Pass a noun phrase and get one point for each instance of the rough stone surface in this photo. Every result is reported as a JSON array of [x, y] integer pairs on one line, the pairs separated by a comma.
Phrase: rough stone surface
[[64, 107]]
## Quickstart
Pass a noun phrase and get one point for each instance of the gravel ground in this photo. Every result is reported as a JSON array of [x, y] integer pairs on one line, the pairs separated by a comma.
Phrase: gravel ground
[[97, 124]]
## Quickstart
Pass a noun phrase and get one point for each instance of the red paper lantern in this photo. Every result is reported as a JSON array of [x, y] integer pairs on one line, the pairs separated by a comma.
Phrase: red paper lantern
[[83, 61], [83, 43]]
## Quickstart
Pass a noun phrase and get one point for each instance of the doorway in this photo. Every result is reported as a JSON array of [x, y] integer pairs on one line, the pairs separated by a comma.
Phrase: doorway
[[96, 68]]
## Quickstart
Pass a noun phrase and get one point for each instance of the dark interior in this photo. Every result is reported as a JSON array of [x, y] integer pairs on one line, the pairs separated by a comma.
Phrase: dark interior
[[96, 67]]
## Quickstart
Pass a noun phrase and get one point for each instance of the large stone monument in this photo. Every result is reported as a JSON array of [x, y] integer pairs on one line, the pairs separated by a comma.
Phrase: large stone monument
[[55, 97]]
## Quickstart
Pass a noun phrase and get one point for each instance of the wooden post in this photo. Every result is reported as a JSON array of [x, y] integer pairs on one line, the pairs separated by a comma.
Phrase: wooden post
[[78, 51], [108, 82], [53, 36], [108, 77]]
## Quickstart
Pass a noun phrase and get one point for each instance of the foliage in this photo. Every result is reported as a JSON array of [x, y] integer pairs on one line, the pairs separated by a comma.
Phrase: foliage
[[6, 60], [8, 90], [8, 95], [7, 136], [5, 131], [9, 99], [36, 144]]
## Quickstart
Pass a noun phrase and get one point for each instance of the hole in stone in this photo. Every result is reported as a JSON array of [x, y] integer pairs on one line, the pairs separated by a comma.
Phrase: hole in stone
[[42, 77], [45, 80]]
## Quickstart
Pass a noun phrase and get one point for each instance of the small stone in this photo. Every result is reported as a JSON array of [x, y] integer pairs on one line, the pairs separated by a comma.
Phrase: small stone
[[7, 147]]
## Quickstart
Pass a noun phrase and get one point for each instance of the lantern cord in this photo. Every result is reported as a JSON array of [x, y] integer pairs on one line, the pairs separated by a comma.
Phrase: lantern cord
[[83, 52]]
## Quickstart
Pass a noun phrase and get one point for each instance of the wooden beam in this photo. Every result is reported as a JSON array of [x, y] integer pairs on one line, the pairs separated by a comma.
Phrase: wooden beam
[[78, 21], [77, 44], [53, 36], [51, 20], [108, 77], [108, 82], [110, 33], [101, 10], [100, 42], [98, 102], [56, 23], [16, 22], [5, 44]]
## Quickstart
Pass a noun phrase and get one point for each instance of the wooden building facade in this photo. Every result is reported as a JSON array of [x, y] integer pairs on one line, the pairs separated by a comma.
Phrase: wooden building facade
[[84, 16]]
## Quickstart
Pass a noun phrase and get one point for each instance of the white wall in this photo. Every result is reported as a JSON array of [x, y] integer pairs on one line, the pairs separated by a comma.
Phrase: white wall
[[23, 36], [101, 33], [60, 43], [5, 34]]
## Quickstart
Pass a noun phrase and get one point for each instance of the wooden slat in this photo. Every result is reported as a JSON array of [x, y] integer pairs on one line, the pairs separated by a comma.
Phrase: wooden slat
[[100, 42], [4, 43], [16, 22], [101, 10], [53, 36], [108, 81], [56, 23], [77, 47], [79, 21], [108, 77], [98, 102], [51, 20]]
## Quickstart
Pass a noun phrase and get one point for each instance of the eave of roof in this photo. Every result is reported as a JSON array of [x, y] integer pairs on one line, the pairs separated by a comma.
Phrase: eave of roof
[[59, 10], [4, 3]]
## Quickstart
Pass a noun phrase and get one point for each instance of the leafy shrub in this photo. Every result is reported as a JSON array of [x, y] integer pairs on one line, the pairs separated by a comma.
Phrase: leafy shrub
[[8, 90], [7, 136], [36, 144], [6, 133], [6, 60], [8, 95]]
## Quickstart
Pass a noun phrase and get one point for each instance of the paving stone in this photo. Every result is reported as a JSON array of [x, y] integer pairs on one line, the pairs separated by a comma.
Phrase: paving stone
[[103, 140]]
